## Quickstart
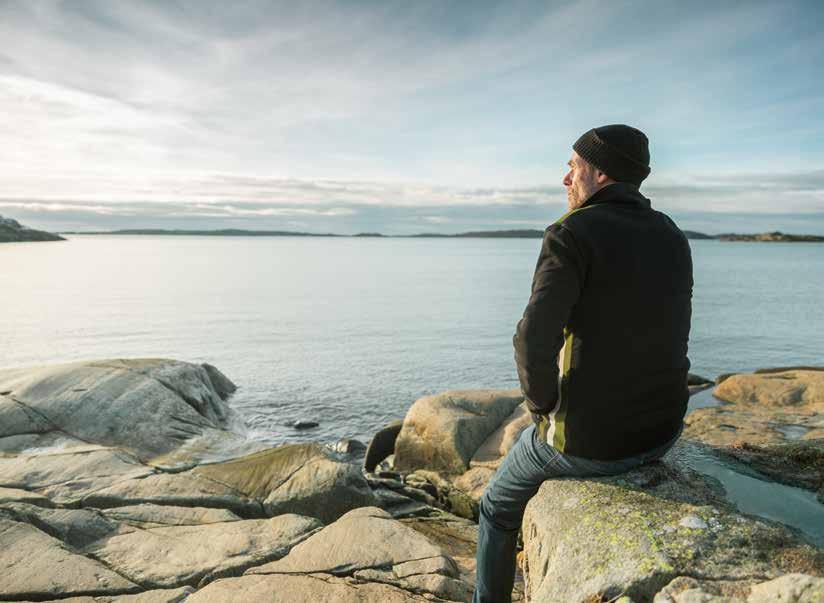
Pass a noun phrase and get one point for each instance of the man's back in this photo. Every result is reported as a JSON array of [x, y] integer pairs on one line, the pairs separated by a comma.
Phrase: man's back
[[622, 387]]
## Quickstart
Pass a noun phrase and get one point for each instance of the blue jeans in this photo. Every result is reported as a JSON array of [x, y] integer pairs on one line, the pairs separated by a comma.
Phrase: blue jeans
[[528, 464]]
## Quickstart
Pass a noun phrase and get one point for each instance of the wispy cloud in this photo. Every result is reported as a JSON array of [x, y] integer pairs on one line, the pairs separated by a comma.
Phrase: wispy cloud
[[348, 207], [282, 111]]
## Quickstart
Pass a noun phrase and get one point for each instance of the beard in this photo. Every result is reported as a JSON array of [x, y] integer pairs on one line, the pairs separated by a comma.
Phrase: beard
[[581, 190]]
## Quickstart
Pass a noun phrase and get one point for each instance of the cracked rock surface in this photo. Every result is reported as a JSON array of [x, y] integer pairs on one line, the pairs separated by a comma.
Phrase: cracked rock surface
[[191, 555], [109, 492], [96, 509], [37, 565]]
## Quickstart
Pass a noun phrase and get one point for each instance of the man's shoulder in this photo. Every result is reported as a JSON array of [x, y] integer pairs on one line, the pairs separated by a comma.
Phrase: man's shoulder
[[570, 217]]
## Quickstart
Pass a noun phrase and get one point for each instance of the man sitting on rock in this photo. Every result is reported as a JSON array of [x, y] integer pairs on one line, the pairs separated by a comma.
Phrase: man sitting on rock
[[601, 349]]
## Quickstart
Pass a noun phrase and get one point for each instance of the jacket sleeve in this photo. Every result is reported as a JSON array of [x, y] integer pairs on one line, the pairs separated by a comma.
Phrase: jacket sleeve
[[539, 336]]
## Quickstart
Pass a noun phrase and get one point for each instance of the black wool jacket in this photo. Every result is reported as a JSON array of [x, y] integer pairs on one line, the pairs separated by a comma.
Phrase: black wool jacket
[[601, 349]]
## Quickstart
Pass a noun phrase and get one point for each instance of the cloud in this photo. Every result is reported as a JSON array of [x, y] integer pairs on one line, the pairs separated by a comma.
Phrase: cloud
[[222, 201], [342, 105]]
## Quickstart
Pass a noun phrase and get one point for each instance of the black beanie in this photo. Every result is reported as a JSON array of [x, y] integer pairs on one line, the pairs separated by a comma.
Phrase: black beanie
[[620, 151]]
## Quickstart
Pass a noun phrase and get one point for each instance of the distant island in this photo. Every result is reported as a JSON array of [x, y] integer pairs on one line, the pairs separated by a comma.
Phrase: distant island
[[478, 234], [771, 237], [11, 231]]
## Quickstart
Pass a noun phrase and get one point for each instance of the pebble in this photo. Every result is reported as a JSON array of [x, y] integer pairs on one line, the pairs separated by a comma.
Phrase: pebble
[[693, 522]]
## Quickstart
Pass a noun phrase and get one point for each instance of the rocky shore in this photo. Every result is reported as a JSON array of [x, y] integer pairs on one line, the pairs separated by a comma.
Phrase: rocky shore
[[11, 231], [114, 486]]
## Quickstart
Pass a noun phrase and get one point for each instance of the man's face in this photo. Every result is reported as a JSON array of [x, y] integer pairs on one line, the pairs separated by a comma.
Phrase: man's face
[[581, 181]]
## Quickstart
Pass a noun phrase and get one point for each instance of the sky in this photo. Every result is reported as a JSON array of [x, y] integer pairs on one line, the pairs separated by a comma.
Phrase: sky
[[403, 117]]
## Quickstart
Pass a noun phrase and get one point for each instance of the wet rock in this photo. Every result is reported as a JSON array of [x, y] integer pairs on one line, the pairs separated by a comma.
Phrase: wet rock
[[306, 479], [349, 447], [382, 445], [30, 559], [220, 382], [443, 432], [191, 555], [633, 534], [693, 380], [303, 424], [146, 406]]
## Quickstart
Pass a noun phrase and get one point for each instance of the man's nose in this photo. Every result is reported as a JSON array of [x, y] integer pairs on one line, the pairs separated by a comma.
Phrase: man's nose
[[567, 180]]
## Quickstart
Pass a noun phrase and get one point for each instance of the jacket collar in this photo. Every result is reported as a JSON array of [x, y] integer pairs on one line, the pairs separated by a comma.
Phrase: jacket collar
[[618, 192]]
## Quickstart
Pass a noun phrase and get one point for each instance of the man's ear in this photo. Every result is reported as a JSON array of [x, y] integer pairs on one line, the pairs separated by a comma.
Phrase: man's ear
[[601, 177]]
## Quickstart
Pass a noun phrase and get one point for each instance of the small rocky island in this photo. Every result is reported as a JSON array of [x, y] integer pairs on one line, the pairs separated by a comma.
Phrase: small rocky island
[[120, 481], [770, 237], [11, 231]]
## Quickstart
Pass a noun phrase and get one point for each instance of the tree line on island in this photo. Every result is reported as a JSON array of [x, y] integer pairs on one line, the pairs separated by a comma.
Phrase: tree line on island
[[13, 231]]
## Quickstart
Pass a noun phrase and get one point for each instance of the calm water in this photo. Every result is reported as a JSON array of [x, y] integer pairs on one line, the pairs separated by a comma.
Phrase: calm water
[[349, 332]]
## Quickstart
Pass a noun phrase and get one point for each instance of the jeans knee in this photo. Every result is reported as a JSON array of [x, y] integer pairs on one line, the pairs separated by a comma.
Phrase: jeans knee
[[498, 515]]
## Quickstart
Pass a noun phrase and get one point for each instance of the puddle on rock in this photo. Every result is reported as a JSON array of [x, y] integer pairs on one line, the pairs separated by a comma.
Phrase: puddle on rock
[[759, 496], [791, 432], [703, 399]]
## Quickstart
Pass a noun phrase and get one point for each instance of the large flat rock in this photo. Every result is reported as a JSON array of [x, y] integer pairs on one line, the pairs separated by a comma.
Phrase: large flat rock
[[67, 477], [790, 588], [443, 432], [170, 595], [361, 539], [156, 516], [781, 388], [147, 406], [78, 528], [13, 495], [769, 406], [369, 546], [178, 490], [33, 565], [191, 555], [307, 479], [297, 588], [636, 532]]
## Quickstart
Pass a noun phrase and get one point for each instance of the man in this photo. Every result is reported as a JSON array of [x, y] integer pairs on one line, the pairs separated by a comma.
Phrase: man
[[601, 350]]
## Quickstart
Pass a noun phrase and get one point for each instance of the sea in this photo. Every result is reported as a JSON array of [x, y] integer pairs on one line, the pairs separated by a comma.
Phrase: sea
[[349, 332]]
